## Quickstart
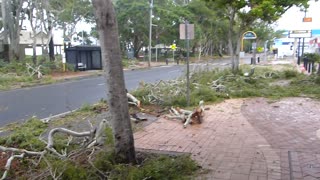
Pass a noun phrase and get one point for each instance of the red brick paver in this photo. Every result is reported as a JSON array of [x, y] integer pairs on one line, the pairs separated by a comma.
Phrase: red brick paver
[[246, 139]]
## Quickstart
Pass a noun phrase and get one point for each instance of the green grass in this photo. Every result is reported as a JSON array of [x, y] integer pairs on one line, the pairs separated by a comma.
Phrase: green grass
[[26, 135], [265, 82], [15, 74], [150, 166]]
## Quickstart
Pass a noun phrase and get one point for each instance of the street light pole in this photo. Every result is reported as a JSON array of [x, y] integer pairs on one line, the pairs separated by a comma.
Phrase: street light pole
[[150, 33], [187, 59], [265, 50]]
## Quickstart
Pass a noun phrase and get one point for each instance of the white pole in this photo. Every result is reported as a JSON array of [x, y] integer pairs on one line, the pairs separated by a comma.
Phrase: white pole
[[156, 53], [150, 33], [173, 54], [265, 50]]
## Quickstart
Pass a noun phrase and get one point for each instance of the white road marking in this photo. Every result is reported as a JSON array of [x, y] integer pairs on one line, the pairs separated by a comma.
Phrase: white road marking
[[173, 71]]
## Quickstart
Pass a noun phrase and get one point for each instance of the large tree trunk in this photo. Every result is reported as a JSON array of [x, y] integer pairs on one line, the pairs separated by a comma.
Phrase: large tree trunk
[[15, 25], [116, 93]]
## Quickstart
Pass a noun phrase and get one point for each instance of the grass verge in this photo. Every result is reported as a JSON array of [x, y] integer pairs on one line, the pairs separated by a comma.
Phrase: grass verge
[[82, 163]]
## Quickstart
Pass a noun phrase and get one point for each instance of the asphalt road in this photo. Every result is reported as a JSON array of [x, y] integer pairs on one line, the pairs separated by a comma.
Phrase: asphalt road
[[44, 101]]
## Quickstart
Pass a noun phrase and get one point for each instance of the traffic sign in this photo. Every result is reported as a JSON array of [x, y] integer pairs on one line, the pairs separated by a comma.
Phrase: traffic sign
[[173, 47], [300, 34], [307, 19], [190, 32]]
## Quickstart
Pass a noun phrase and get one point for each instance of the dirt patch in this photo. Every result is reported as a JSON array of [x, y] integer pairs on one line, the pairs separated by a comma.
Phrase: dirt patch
[[282, 83], [72, 74]]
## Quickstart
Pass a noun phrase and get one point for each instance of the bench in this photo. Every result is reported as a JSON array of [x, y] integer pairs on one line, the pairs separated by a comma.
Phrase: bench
[[81, 66]]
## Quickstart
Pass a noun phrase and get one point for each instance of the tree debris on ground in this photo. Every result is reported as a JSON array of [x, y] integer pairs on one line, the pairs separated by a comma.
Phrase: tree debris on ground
[[34, 71], [93, 138], [186, 116]]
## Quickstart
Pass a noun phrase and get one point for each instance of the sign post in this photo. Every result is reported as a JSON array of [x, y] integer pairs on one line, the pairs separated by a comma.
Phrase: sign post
[[187, 32], [300, 34], [173, 48], [249, 35]]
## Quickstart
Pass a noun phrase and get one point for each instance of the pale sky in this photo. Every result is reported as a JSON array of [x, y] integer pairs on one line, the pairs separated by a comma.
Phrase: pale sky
[[292, 19]]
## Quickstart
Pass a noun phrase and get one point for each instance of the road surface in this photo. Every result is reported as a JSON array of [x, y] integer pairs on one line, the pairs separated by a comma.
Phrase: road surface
[[44, 101]]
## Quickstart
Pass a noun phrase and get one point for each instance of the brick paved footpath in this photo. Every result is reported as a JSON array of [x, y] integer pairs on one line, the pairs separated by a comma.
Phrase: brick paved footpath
[[251, 139]]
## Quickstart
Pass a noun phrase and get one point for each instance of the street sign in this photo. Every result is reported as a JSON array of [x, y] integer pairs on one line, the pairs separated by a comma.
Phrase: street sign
[[307, 19], [300, 34], [249, 35], [182, 31], [173, 47], [254, 45]]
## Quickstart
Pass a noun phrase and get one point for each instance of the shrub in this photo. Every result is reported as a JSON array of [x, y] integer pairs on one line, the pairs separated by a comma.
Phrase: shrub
[[290, 74], [153, 167]]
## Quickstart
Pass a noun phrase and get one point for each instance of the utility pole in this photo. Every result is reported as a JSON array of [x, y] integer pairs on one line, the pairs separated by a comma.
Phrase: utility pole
[[187, 59], [150, 33]]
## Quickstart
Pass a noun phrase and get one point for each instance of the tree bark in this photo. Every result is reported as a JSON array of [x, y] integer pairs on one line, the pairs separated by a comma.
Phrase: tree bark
[[116, 93], [230, 38], [14, 27]]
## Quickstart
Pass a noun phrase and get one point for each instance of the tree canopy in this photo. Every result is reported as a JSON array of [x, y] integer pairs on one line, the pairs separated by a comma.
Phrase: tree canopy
[[219, 23]]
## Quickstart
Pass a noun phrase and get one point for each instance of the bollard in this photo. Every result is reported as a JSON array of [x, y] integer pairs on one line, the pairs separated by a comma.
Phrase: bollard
[[258, 59], [305, 63], [167, 61], [309, 67]]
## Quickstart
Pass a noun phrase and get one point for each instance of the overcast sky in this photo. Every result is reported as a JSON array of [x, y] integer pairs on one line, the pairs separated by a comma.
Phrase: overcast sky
[[292, 19]]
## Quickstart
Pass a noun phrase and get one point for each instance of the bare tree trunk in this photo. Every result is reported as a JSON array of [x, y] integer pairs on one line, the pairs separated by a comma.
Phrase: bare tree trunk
[[14, 29], [116, 93], [230, 38], [5, 31], [237, 54], [33, 24]]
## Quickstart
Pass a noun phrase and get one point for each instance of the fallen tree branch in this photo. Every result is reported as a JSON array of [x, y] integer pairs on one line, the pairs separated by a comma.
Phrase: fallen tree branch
[[186, 116], [10, 149], [8, 164], [96, 135], [133, 100]]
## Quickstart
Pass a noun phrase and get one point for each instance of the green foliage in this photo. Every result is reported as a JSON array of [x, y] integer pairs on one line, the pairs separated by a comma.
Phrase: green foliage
[[312, 57], [15, 74], [290, 74], [154, 167], [26, 136], [265, 82], [141, 94], [68, 13], [317, 80], [75, 172], [69, 168], [133, 20], [16, 67]]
